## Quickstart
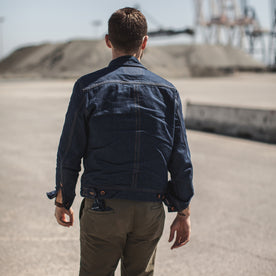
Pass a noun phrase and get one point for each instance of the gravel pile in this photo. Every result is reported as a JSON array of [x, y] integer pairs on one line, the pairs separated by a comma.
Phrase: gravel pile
[[78, 57]]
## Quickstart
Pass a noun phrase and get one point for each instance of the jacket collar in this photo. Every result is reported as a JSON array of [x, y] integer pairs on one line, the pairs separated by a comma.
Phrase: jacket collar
[[125, 61]]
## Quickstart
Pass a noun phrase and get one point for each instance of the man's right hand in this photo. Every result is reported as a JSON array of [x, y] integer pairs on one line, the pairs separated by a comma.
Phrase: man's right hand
[[60, 214]]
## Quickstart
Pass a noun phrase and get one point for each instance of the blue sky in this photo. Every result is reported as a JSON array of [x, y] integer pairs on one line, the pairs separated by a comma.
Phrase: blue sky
[[34, 21]]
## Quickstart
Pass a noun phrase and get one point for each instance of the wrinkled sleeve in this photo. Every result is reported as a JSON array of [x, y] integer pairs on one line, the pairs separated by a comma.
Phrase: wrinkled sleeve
[[71, 148], [180, 188]]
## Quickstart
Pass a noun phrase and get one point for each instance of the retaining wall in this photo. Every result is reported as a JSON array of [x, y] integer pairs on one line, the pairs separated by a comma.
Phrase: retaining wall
[[256, 124]]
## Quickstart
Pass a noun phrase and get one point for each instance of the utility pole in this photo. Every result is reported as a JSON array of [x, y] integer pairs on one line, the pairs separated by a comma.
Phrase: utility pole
[[2, 20], [272, 42], [96, 24]]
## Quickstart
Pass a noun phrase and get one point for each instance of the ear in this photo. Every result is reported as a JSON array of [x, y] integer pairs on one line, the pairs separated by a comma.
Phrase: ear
[[144, 43], [107, 41]]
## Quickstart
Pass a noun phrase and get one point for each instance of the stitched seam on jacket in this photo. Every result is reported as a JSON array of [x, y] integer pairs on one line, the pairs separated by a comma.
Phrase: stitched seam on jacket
[[70, 136], [139, 135], [123, 188], [136, 140], [181, 124], [127, 82]]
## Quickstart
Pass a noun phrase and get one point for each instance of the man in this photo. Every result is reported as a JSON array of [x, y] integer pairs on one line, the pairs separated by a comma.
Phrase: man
[[126, 124]]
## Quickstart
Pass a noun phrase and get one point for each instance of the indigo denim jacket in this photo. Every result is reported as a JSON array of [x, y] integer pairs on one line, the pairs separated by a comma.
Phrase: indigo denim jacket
[[126, 124]]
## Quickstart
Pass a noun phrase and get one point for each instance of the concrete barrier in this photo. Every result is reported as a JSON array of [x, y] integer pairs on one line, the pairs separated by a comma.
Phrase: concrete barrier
[[255, 124]]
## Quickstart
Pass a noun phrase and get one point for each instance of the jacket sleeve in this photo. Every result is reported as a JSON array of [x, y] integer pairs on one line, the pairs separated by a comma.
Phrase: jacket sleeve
[[180, 188], [71, 148]]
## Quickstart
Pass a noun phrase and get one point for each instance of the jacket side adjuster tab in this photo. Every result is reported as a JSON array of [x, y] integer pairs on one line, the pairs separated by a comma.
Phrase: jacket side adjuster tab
[[52, 194]]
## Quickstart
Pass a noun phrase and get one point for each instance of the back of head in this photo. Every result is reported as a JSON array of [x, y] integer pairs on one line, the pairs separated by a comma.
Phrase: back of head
[[127, 28]]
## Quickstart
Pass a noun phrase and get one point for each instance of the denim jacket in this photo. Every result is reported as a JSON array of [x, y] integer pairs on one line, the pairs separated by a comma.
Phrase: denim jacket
[[126, 124]]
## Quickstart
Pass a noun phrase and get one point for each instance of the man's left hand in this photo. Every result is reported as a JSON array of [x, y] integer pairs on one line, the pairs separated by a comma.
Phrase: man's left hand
[[182, 226]]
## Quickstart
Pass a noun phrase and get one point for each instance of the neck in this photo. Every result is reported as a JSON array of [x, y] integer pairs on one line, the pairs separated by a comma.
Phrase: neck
[[117, 54]]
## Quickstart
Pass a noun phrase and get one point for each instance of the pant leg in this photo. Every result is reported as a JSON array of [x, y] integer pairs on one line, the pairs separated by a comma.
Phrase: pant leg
[[140, 250], [102, 238]]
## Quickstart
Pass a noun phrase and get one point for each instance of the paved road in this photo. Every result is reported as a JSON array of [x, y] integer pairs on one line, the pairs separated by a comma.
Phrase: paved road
[[242, 90], [233, 212]]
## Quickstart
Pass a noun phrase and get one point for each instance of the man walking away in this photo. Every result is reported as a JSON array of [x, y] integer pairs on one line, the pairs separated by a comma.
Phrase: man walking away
[[126, 124]]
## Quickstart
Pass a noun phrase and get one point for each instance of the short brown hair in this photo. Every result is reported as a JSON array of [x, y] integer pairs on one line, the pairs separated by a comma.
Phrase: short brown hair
[[126, 29]]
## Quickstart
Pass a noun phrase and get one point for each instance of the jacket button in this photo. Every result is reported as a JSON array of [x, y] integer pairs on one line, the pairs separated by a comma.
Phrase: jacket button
[[92, 193], [102, 193]]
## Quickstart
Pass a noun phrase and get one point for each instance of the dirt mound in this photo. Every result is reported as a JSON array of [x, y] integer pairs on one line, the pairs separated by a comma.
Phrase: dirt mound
[[78, 57]]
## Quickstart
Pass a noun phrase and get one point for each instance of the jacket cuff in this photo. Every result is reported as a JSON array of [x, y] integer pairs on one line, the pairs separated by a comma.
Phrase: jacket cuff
[[174, 204], [67, 203]]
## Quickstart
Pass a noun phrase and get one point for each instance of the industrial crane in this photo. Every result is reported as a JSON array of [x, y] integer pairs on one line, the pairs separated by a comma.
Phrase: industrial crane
[[235, 23], [232, 22]]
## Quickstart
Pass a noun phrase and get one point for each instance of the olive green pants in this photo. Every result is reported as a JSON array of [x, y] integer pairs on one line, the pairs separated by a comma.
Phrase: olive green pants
[[129, 232]]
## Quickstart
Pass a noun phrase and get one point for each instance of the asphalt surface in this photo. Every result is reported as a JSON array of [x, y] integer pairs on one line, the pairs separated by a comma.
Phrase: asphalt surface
[[233, 211]]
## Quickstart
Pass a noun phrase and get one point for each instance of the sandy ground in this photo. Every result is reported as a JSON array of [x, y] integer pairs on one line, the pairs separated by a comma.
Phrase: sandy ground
[[233, 211]]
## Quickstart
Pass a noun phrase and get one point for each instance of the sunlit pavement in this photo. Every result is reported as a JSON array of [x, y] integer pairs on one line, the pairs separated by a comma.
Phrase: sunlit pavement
[[233, 211]]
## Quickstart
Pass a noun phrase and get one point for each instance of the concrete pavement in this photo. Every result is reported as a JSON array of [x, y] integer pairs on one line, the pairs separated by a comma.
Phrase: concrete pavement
[[233, 211]]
